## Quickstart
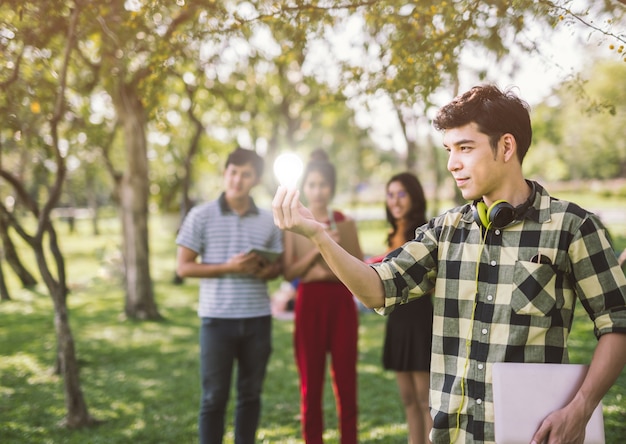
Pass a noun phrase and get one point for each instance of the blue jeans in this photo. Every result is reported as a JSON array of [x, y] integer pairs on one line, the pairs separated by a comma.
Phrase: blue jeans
[[222, 342]]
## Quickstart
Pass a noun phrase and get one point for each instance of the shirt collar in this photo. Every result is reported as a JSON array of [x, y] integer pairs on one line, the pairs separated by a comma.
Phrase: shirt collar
[[225, 208], [539, 211]]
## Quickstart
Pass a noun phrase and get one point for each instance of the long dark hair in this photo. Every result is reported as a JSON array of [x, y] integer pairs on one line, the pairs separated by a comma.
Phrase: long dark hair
[[417, 214]]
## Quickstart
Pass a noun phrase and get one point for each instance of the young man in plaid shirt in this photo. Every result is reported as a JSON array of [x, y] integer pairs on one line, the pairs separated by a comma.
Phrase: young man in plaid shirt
[[506, 271]]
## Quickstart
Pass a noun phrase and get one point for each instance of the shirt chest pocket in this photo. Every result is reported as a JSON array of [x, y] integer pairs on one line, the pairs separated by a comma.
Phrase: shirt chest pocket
[[536, 290]]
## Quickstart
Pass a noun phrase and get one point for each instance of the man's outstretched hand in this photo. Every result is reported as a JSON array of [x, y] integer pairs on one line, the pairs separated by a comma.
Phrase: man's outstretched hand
[[290, 214]]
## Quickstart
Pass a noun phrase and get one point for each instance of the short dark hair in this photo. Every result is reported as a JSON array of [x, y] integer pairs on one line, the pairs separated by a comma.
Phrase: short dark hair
[[495, 112], [241, 156]]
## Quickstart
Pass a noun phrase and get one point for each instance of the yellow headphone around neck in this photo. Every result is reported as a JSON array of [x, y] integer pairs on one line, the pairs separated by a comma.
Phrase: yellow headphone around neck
[[501, 213], [498, 215]]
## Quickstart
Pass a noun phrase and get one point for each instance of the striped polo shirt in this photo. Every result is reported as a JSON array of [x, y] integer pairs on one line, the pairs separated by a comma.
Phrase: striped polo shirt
[[497, 303], [217, 233]]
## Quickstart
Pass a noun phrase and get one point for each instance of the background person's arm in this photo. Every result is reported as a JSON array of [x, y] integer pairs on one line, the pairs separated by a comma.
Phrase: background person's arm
[[188, 266], [295, 266], [622, 258], [360, 278]]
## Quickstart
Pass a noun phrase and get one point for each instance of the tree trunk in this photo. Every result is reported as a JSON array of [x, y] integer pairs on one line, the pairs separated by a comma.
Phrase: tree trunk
[[410, 163], [133, 195], [10, 255], [439, 176], [411, 155], [194, 147], [4, 291], [92, 201], [67, 364]]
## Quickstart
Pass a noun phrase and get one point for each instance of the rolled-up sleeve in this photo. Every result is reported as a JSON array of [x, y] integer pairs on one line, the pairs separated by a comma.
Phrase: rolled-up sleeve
[[410, 271], [600, 282]]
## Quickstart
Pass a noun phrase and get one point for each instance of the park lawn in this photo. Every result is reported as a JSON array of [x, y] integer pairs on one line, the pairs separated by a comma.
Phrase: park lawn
[[140, 379]]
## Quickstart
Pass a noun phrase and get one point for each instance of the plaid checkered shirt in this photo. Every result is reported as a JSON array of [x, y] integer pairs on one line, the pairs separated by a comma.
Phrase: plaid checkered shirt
[[522, 310]]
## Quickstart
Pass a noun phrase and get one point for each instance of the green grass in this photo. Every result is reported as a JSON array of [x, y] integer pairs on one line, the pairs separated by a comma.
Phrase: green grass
[[141, 379]]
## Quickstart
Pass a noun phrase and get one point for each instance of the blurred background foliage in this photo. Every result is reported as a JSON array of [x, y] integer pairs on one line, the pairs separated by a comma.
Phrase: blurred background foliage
[[276, 76]]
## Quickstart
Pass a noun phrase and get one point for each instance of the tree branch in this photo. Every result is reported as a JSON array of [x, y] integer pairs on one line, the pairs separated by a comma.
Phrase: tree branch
[[106, 150], [575, 16], [14, 73], [59, 108], [24, 196], [16, 225]]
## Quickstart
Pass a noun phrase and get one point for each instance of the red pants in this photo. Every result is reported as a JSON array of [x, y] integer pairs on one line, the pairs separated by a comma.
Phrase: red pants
[[326, 320]]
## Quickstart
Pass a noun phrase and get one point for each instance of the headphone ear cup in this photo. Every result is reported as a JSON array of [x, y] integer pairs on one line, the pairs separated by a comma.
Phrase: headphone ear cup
[[501, 213], [480, 214]]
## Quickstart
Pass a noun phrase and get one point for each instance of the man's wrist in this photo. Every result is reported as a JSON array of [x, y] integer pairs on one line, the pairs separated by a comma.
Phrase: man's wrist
[[584, 405], [319, 237]]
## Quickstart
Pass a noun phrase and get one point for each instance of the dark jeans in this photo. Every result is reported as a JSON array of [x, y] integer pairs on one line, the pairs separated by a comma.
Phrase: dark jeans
[[222, 342]]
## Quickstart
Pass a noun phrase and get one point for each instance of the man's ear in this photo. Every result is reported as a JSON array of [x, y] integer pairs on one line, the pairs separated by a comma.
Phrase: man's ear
[[510, 146]]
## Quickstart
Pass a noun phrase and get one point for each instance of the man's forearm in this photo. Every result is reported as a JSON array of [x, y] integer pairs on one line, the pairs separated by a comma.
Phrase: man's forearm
[[200, 270], [359, 277], [608, 361]]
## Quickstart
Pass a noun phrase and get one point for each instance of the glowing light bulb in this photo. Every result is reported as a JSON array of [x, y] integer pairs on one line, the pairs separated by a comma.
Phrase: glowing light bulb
[[288, 169]]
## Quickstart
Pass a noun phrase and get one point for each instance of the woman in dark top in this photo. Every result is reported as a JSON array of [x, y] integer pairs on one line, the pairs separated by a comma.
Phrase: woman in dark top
[[409, 327]]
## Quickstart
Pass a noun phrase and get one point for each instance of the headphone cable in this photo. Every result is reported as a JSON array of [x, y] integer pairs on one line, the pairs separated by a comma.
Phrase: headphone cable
[[468, 339]]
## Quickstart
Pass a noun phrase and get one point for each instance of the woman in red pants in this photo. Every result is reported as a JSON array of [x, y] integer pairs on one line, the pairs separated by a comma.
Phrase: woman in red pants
[[325, 312]]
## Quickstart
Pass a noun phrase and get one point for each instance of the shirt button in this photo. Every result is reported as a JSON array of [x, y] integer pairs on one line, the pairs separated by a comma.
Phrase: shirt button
[[484, 331], [493, 263], [490, 297], [497, 232], [480, 366], [479, 401]]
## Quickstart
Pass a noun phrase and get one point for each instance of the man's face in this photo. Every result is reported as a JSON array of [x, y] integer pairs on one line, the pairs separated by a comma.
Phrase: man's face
[[471, 161], [239, 180]]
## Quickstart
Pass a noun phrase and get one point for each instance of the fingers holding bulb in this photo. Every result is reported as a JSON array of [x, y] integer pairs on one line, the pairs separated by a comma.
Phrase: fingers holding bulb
[[277, 207], [285, 207], [290, 207]]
